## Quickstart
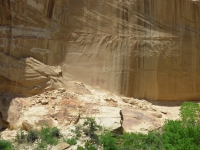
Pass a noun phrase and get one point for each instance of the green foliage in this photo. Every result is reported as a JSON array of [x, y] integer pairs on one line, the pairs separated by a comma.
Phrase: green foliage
[[177, 136], [190, 113], [71, 141], [55, 132], [80, 148], [131, 140], [20, 137], [41, 146], [50, 135], [5, 145], [47, 136], [32, 136], [90, 127], [108, 141], [88, 146], [152, 140], [78, 131]]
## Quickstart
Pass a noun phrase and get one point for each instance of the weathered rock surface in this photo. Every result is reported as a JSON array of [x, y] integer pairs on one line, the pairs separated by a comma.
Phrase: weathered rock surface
[[106, 116], [61, 146], [27, 75], [63, 109], [140, 121], [146, 49]]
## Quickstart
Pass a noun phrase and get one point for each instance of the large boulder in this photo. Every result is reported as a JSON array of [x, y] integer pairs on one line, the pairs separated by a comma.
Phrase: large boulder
[[105, 116]]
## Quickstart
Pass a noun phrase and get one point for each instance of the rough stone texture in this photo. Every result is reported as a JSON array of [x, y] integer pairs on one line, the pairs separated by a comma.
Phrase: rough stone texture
[[106, 116], [66, 109], [140, 121], [141, 48], [61, 146], [27, 126], [27, 75]]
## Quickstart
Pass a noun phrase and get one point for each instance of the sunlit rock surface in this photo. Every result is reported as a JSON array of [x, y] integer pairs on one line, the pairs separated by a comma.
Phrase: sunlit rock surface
[[140, 48]]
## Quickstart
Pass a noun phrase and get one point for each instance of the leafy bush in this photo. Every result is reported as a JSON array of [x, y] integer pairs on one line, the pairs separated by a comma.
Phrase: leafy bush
[[78, 131], [32, 136], [108, 141], [5, 145], [88, 146], [41, 145], [71, 141], [80, 148], [177, 136], [190, 113], [50, 135], [129, 141], [153, 140], [55, 132]]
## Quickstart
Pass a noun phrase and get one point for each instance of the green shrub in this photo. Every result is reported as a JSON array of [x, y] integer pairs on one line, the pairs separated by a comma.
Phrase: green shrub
[[108, 141], [5, 145], [32, 136], [78, 131], [71, 141], [50, 135], [55, 132], [88, 146], [41, 146], [129, 141], [177, 136], [153, 140], [90, 127], [190, 113], [20, 137], [80, 148]]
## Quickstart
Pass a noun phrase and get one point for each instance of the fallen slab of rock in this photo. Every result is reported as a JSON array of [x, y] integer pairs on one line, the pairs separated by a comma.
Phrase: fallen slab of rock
[[61, 146]]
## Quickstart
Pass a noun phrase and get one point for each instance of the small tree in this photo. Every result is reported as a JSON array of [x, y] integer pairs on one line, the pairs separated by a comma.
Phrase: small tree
[[90, 127]]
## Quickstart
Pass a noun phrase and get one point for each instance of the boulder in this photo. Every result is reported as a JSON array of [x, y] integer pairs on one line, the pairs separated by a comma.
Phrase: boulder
[[27, 126], [137, 120], [108, 117], [61, 146]]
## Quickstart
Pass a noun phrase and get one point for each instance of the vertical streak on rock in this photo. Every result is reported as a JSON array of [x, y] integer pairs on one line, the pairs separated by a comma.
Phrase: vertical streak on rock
[[5, 24], [11, 28], [50, 8]]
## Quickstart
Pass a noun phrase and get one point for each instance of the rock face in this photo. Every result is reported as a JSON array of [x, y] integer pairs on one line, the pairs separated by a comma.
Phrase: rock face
[[140, 48], [27, 75]]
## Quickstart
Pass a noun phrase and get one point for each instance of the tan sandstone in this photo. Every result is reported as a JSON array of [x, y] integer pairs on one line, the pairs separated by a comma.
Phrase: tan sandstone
[[146, 49]]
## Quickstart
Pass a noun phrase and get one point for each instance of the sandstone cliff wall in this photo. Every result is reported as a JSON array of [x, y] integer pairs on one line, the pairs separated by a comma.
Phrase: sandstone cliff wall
[[140, 48]]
